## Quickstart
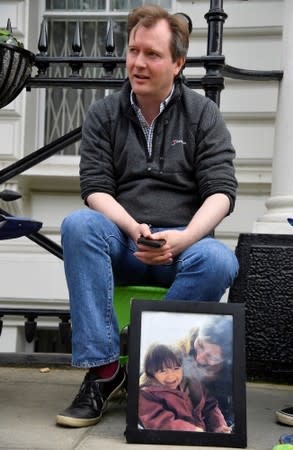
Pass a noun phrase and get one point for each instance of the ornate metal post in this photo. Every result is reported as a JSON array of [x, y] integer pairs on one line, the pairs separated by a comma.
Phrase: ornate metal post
[[213, 82]]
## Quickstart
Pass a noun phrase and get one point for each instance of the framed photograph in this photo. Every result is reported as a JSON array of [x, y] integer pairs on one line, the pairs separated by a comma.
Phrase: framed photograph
[[186, 374]]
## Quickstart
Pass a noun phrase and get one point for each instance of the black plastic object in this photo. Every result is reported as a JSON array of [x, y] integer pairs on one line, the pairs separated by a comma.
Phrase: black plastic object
[[14, 227]]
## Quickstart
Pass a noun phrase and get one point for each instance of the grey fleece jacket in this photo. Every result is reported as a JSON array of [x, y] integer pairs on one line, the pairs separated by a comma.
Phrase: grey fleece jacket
[[192, 157]]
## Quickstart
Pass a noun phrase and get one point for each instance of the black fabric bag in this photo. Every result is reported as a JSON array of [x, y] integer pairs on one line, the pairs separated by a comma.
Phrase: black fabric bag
[[13, 227]]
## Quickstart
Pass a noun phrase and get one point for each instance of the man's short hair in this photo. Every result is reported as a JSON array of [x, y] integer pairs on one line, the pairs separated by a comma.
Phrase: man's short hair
[[147, 16]]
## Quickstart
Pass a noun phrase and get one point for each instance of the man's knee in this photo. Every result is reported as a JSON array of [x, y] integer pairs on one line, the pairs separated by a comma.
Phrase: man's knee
[[73, 221], [79, 223], [223, 261], [217, 258]]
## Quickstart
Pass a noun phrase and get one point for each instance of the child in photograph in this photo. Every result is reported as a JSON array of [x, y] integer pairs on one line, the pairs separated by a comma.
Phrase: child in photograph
[[163, 402]]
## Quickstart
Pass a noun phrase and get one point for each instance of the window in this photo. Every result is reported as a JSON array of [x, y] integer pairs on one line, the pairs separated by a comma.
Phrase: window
[[100, 5], [66, 107]]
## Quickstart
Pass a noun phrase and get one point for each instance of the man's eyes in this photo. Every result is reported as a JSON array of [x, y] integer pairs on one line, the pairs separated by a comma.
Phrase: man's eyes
[[153, 54], [150, 54]]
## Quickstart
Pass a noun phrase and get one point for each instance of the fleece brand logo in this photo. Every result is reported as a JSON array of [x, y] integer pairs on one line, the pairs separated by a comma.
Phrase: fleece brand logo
[[177, 141]]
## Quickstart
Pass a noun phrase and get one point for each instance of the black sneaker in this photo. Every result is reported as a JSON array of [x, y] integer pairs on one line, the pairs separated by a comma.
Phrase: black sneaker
[[92, 400]]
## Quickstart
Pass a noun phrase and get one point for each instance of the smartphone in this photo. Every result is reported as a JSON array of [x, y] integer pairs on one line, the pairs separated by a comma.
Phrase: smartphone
[[155, 243]]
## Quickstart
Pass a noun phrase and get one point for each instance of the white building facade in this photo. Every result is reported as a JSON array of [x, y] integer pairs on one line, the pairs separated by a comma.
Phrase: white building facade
[[253, 39]]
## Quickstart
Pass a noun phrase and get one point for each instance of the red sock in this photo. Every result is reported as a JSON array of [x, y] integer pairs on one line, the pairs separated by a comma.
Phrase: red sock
[[106, 371]]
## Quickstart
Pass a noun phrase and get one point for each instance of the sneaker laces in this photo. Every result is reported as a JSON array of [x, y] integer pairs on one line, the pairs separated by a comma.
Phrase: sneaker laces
[[88, 394]]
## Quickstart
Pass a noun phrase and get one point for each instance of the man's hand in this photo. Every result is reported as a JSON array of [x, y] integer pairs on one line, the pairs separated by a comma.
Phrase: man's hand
[[176, 242], [212, 211]]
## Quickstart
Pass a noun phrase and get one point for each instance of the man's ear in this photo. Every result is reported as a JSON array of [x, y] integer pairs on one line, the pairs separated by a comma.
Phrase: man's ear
[[179, 65]]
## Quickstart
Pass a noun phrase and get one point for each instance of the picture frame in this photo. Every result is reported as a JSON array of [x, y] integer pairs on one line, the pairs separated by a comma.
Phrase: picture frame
[[212, 376]]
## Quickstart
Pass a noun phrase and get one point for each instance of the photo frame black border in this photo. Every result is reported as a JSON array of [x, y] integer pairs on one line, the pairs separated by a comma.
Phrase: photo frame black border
[[136, 435]]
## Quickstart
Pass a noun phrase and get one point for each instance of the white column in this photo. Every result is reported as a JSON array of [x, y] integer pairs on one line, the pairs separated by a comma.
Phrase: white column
[[280, 203]]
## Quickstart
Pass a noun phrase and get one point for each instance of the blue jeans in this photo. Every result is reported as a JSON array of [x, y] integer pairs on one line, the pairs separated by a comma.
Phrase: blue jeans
[[98, 255]]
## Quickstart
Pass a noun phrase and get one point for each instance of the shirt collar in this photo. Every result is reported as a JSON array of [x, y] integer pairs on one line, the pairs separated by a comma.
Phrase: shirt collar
[[163, 104]]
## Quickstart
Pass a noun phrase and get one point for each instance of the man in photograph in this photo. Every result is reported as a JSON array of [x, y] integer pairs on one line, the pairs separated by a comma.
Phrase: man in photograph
[[208, 357]]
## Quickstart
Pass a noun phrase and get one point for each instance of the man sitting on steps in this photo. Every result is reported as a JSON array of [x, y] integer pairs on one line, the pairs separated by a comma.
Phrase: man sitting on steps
[[156, 162]]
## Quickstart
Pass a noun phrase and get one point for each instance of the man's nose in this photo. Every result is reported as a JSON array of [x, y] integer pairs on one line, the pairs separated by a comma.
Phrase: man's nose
[[201, 358], [140, 60]]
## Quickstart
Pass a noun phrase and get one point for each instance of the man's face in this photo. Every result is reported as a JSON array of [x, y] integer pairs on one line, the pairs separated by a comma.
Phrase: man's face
[[209, 358], [151, 70]]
